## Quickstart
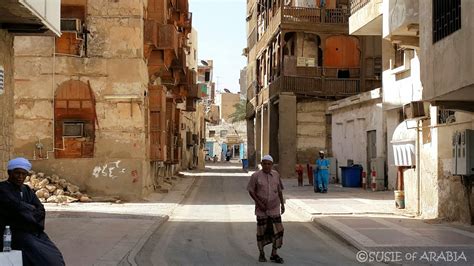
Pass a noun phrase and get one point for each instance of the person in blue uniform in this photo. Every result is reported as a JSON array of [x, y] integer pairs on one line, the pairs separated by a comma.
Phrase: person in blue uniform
[[322, 174], [24, 213]]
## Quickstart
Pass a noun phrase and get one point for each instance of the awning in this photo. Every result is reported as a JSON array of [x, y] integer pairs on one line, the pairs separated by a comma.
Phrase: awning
[[403, 141]]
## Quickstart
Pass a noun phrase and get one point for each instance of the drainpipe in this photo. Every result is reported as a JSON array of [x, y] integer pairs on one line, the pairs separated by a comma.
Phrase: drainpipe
[[418, 170]]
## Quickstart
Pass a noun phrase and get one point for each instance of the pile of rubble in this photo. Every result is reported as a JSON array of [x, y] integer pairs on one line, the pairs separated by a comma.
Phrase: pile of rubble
[[53, 189]]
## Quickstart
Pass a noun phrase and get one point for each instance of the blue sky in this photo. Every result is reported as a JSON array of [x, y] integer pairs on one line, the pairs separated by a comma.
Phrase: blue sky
[[221, 36]]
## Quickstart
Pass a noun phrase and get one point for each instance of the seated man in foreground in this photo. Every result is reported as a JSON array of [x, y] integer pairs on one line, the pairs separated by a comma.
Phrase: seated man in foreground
[[24, 213]]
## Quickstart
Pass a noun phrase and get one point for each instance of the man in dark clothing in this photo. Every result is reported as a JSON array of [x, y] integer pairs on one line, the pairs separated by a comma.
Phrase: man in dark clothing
[[24, 213]]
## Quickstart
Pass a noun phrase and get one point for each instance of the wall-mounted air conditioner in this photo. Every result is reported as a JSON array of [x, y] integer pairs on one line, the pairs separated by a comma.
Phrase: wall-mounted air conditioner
[[71, 25], [414, 110]]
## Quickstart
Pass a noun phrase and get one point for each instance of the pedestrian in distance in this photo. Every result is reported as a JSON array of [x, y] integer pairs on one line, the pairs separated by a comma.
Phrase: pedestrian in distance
[[24, 213], [228, 155], [322, 174], [265, 188]]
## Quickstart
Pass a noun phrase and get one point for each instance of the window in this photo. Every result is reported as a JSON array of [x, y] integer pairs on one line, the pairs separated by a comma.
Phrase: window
[[72, 40], [446, 116], [223, 133], [212, 133], [446, 18]]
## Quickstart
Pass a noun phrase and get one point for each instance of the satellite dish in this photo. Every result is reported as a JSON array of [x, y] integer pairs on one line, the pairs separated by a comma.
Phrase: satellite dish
[[204, 63], [226, 90]]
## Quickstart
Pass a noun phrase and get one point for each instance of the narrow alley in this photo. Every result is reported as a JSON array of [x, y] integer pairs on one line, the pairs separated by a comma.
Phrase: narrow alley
[[215, 225]]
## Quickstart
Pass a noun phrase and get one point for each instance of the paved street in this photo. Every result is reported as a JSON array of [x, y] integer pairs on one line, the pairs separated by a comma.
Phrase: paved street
[[207, 219], [215, 225]]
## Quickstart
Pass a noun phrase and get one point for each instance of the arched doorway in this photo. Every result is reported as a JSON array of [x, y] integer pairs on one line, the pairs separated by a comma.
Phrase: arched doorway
[[74, 120]]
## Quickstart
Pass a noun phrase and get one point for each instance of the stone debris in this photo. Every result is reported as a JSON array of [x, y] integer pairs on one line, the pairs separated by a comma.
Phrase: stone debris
[[53, 189]]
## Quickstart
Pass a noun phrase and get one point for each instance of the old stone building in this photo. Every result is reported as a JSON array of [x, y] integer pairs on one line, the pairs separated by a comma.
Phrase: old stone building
[[103, 104], [18, 18], [300, 59]]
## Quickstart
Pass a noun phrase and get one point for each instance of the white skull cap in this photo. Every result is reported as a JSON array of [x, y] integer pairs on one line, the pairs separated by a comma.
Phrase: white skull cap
[[267, 158], [321, 152]]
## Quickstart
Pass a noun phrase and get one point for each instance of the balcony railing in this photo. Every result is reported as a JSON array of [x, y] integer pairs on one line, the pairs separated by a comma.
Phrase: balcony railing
[[315, 15], [358, 4], [329, 87]]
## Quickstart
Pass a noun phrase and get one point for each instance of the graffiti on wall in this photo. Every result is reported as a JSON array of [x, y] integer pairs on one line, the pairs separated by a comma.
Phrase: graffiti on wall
[[110, 170]]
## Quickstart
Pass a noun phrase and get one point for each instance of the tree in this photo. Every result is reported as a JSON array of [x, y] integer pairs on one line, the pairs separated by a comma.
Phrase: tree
[[240, 111]]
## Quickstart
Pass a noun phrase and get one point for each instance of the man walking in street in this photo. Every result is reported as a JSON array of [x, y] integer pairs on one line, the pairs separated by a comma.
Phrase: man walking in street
[[265, 188], [322, 174]]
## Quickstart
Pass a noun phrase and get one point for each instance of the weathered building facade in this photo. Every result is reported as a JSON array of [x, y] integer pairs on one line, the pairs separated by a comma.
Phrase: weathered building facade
[[99, 105], [300, 59], [427, 100], [18, 18], [447, 151]]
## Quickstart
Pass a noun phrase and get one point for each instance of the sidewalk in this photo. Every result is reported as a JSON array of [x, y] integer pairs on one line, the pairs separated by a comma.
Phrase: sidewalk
[[370, 222], [110, 233]]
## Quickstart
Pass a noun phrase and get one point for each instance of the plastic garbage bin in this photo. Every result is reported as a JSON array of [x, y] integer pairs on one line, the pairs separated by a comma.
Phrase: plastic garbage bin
[[245, 163], [351, 175]]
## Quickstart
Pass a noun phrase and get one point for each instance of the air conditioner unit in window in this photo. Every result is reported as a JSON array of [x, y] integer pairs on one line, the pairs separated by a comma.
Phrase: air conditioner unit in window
[[71, 25], [73, 129], [414, 110]]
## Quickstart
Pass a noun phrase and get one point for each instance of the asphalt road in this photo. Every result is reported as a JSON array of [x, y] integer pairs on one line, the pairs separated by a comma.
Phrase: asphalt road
[[215, 225]]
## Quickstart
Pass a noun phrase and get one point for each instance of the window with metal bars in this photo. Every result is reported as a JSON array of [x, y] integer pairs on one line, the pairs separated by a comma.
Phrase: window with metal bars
[[446, 18]]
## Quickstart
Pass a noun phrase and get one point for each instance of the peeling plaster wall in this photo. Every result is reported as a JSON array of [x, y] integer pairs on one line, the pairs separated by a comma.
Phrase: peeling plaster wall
[[114, 68], [6, 101], [311, 130], [452, 197]]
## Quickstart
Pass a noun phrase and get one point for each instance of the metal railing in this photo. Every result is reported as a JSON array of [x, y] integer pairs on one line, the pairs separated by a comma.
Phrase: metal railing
[[315, 15], [358, 4]]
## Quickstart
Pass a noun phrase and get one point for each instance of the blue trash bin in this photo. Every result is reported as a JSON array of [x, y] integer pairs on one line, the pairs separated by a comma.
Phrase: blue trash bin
[[245, 164], [351, 176]]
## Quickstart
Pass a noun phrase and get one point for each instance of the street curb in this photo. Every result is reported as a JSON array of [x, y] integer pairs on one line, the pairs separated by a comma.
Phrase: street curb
[[133, 253], [337, 233], [326, 226]]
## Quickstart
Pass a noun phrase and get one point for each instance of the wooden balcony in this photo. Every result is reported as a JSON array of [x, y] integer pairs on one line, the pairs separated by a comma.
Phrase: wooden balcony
[[317, 86], [161, 37], [193, 92], [315, 15], [358, 4], [179, 63]]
